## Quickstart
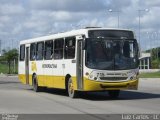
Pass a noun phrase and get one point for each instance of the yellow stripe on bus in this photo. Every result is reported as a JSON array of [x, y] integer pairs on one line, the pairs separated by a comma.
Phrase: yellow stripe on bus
[[88, 85], [48, 81]]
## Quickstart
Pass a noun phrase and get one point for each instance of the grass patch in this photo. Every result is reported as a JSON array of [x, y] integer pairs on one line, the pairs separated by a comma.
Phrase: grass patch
[[150, 75], [4, 69]]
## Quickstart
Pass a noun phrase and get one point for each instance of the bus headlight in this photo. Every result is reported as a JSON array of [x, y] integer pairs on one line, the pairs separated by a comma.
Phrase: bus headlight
[[91, 76], [134, 77]]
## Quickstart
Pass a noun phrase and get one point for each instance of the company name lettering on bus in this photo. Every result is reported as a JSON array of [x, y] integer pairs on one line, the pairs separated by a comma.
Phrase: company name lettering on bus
[[49, 66]]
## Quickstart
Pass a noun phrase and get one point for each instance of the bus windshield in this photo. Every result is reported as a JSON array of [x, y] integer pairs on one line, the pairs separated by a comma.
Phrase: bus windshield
[[111, 54]]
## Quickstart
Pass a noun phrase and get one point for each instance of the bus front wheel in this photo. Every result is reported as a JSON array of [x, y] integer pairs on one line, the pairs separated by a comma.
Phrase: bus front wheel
[[113, 93], [71, 92]]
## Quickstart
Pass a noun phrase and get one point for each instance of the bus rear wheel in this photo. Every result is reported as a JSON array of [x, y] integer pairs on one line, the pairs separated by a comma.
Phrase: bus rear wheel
[[70, 87], [113, 93], [36, 88]]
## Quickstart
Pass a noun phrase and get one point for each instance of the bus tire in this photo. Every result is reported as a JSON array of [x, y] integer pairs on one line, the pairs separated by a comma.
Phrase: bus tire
[[113, 93], [36, 88], [71, 92]]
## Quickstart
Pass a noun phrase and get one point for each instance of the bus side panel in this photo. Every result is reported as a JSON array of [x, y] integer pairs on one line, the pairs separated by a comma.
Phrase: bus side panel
[[30, 79], [22, 78], [49, 81], [36, 68], [48, 73], [21, 72], [40, 73], [59, 82], [58, 74], [70, 68], [31, 66]]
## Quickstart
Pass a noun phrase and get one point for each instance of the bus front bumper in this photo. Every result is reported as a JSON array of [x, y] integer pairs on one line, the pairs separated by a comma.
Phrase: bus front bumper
[[91, 85]]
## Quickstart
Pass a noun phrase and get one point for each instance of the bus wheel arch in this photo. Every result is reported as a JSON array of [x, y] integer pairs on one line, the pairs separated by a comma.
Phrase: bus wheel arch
[[67, 77], [36, 88], [33, 77], [69, 87]]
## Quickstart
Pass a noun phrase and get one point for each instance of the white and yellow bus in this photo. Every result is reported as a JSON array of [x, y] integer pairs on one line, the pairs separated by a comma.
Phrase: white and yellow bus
[[90, 59]]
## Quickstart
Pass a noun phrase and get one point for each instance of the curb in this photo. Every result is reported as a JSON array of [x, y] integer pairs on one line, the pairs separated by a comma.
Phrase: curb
[[8, 75]]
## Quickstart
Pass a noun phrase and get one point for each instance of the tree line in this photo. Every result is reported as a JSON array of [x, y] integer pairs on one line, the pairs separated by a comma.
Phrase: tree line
[[9, 57], [155, 57]]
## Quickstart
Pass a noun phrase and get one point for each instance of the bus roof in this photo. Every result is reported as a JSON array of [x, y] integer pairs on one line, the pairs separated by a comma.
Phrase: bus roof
[[67, 34]]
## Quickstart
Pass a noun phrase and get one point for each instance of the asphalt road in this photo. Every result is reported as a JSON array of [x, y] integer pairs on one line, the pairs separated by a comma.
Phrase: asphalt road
[[21, 99]]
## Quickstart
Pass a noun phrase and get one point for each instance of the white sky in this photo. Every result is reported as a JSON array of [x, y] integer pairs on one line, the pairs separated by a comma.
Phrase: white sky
[[23, 19]]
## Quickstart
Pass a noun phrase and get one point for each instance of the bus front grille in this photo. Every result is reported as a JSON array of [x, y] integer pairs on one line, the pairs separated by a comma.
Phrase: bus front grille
[[113, 78]]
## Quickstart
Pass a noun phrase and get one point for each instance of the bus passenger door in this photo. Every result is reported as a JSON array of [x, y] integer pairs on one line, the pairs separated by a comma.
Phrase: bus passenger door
[[27, 65], [79, 65]]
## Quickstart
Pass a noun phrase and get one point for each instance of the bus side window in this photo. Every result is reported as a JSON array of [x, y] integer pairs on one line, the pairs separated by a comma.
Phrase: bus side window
[[39, 51], [22, 53], [48, 50], [58, 48], [33, 51], [69, 52]]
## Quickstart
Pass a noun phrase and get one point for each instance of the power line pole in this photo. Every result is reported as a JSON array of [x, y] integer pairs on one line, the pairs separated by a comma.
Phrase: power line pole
[[116, 11], [139, 23]]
